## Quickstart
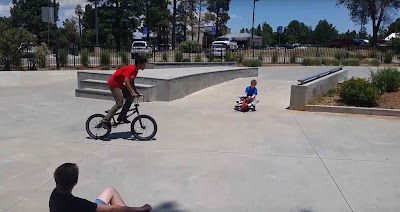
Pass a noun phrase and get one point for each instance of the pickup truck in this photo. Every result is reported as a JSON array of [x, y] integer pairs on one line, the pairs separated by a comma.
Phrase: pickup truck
[[227, 41]]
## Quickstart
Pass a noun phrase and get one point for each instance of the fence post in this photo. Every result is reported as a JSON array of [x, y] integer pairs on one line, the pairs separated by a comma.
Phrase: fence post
[[284, 57], [316, 53]]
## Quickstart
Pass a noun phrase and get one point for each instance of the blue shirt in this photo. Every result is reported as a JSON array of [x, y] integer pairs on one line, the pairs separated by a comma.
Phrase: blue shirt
[[250, 91]]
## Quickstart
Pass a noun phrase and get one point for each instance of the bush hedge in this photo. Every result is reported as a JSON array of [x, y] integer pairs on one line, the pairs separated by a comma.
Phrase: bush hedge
[[386, 80], [312, 61], [351, 62], [252, 63], [358, 92]]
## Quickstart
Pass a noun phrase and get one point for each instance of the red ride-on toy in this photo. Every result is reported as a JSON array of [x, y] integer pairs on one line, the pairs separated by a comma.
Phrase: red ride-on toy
[[243, 105]]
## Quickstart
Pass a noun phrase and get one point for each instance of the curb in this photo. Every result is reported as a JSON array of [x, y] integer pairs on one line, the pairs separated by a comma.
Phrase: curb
[[353, 110]]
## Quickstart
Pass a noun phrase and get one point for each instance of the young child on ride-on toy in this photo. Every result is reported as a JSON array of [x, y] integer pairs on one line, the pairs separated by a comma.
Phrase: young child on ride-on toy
[[249, 101]]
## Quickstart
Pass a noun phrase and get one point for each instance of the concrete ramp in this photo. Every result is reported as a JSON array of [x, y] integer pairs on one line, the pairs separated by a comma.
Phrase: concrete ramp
[[162, 84]]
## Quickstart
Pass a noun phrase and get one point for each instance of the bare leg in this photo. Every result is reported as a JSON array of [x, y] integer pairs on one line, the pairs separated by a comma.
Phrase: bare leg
[[110, 195]]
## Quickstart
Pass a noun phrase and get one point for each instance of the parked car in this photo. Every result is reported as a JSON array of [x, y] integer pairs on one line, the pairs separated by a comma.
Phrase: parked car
[[141, 47], [344, 42], [218, 50], [28, 50]]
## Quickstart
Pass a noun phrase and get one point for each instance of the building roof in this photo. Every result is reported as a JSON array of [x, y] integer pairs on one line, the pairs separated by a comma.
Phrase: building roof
[[241, 35]]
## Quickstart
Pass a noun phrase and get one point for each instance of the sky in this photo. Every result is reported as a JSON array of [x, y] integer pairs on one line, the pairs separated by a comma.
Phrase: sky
[[274, 12]]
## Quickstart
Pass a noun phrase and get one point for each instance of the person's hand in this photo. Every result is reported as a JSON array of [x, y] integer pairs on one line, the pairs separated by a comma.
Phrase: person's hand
[[134, 94], [147, 207]]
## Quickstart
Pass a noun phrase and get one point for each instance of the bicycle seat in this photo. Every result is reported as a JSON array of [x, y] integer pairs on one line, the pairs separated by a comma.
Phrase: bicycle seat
[[106, 111]]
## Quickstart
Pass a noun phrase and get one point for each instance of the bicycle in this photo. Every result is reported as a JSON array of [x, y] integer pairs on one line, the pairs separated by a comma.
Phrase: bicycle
[[105, 129]]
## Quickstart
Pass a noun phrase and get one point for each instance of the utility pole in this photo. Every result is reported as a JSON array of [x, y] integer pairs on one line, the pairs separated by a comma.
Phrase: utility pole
[[56, 30], [97, 23], [174, 25], [252, 27]]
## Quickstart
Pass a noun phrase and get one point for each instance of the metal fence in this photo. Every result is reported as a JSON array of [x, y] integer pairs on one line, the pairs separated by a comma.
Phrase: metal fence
[[104, 58]]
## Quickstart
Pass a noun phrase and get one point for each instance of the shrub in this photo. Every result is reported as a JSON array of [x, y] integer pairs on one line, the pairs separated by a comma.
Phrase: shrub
[[124, 58], [229, 57], [165, 56], [358, 92], [63, 57], [239, 57], [178, 56], [216, 60], [106, 67], [386, 80], [186, 60], [41, 54], [105, 58], [351, 62], [330, 61], [274, 57], [293, 57], [388, 57], [252, 63], [312, 61], [85, 57], [190, 46], [373, 61]]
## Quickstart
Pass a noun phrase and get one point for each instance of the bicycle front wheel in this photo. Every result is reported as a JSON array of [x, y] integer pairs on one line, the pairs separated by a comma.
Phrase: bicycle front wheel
[[95, 127], [143, 127]]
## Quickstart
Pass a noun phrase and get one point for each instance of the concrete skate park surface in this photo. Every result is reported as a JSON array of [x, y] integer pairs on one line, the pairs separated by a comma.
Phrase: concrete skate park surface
[[206, 156]]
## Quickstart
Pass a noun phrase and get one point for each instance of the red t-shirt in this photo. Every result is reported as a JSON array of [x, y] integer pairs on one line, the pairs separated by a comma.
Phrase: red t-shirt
[[117, 79]]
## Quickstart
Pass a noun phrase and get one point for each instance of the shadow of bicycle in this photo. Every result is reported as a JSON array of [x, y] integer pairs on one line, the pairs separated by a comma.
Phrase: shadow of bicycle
[[168, 207]]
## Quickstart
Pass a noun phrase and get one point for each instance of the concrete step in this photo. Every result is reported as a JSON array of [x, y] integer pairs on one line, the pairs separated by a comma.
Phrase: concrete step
[[102, 84], [148, 91]]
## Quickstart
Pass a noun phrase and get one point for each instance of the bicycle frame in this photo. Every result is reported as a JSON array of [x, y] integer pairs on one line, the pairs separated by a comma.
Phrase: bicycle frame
[[133, 110]]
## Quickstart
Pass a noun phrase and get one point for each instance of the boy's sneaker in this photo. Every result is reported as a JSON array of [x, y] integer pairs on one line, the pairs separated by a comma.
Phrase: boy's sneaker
[[123, 120]]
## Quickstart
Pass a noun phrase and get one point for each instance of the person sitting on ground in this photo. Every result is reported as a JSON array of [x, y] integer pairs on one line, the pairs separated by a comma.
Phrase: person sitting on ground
[[251, 93], [62, 200], [120, 84]]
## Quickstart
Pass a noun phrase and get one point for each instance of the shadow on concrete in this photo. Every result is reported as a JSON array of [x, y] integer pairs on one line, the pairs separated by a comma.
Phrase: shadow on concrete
[[168, 207]]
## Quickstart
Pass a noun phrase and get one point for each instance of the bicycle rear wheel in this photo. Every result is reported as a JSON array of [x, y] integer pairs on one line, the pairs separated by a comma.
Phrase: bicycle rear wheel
[[143, 127], [95, 128]]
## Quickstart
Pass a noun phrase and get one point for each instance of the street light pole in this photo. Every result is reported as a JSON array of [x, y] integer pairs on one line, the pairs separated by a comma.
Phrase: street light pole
[[252, 27]]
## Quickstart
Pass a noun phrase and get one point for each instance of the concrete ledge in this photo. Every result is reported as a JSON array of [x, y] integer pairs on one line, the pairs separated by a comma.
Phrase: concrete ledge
[[158, 65], [301, 94], [353, 110]]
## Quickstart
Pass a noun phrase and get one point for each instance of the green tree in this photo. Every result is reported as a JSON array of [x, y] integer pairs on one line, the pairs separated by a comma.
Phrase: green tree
[[394, 27], [116, 17], [298, 32], [28, 14], [158, 18], [242, 30], [69, 33], [363, 34], [10, 41], [218, 14], [376, 11], [266, 34], [324, 31], [258, 30], [181, 22]]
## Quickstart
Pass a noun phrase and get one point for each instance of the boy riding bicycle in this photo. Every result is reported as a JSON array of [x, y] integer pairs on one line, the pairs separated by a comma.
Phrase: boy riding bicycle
[[121, 87]]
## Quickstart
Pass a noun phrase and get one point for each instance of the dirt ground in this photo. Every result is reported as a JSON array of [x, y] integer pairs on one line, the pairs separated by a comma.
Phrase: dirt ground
[[387, 100]]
